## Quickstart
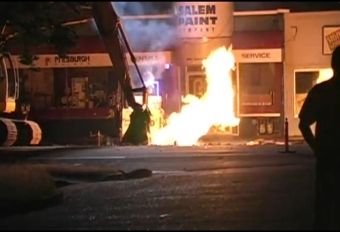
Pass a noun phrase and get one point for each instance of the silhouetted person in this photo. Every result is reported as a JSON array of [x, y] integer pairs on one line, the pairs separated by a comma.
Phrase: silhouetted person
[[322, 106]]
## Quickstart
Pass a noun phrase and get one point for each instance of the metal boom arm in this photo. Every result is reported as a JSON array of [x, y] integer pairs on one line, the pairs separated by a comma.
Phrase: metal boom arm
[[109, 27], [110, 30]]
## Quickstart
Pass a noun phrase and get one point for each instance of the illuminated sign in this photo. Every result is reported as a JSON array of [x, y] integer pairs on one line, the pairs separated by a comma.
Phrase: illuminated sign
[[70, 61], [94, 60], [204, 19], [258, 55], [331, 38], [150, 58]]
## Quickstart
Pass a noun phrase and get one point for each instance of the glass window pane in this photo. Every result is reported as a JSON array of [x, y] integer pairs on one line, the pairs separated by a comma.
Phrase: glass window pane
[[304, 81], [257, 84]]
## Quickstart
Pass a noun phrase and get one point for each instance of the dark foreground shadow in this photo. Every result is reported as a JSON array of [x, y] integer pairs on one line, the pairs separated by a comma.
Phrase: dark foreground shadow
[[10, 208], [120, 175]]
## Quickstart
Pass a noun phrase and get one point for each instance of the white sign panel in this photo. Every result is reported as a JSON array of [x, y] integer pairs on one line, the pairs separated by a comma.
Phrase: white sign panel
[[150, 58], [258, 55], [94, 60], [204, 19], [71, 61], [331, 38]]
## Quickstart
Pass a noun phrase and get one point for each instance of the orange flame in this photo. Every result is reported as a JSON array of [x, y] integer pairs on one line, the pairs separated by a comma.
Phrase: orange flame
[[215, 107], [324, 75]]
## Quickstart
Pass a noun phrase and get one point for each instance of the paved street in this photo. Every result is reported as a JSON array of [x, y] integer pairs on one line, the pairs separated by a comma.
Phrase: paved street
[[207, 187]]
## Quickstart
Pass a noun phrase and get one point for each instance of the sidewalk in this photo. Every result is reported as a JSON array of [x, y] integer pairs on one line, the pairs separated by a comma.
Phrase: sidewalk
[[220, 139]]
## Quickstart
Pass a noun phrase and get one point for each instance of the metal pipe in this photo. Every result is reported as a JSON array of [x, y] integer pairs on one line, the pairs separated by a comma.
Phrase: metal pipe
[[286, 138]]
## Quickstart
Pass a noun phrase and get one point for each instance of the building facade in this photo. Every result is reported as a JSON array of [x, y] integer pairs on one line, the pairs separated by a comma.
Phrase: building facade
[[310, 38], [279, 56]]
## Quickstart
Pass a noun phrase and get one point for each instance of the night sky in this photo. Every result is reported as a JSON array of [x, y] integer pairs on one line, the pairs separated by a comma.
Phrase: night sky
[[291, 5], [137, 8]]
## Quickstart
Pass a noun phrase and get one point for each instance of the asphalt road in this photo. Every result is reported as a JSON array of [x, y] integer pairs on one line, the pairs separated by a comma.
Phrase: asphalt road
[[233, 187]]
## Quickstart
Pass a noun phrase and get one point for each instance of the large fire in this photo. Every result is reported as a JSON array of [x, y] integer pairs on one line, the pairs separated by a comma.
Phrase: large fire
[[215, 107]]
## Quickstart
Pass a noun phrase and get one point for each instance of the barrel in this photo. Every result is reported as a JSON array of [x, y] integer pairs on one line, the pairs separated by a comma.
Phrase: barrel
[[15, 132], [29, 133], [9, 132]]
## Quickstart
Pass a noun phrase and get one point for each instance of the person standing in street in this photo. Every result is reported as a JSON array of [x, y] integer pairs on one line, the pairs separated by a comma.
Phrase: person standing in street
[[322, 106]]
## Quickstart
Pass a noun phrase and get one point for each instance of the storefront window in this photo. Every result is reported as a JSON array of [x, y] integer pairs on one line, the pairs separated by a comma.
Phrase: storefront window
[[304, 81], [83, 88], [257, 84]]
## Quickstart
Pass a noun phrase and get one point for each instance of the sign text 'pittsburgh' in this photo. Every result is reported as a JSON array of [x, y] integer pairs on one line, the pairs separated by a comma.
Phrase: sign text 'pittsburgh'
[[72, 59]]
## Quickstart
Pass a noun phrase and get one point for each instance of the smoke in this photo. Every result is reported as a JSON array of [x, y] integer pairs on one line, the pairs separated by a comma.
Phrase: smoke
[[150, 73], [140, 8], [128, 8], [150, 35], [146, 34]]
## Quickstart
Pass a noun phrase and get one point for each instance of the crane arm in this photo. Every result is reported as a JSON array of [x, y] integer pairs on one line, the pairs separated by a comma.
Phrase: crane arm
[[110, 30]]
